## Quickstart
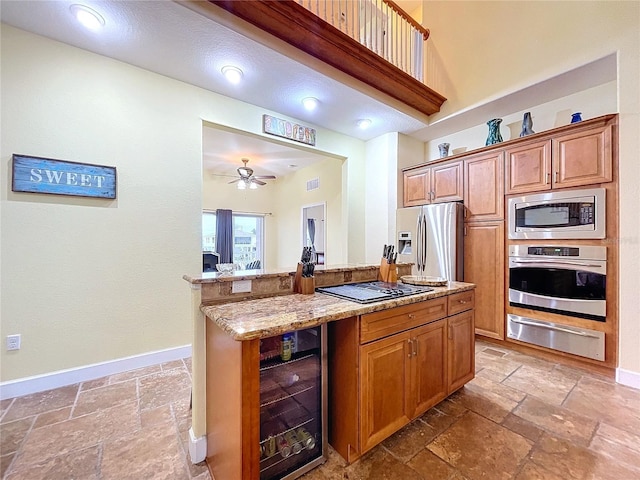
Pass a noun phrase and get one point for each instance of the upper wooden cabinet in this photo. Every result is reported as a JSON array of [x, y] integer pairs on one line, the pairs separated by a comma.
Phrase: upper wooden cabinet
[[484, 187], [433, 184], [529, 167], [570, 159]]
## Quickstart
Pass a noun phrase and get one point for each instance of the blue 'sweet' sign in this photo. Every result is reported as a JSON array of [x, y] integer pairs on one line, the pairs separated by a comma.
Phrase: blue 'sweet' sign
[[59, 177]]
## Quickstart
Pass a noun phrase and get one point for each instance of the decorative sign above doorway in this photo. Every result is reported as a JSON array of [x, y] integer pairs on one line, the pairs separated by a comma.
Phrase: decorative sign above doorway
[[292, 131], [59, 177]]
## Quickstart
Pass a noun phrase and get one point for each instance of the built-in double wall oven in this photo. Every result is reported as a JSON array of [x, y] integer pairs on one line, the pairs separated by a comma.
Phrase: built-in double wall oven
[[567, 279]]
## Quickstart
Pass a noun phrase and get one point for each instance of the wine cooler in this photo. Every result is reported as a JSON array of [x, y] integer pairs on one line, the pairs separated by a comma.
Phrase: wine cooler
[[293, 384]]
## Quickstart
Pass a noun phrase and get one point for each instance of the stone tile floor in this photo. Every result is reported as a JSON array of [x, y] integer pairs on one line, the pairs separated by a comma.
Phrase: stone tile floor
[[521, 418]]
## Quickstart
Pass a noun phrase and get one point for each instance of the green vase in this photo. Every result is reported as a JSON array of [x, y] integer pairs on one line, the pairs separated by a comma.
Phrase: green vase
[[494, 131]]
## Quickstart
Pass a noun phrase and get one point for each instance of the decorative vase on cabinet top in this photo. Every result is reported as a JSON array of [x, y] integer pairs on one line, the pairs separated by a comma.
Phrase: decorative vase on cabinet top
[[527, 125], [444, 150], [576, 117], [494, 131]]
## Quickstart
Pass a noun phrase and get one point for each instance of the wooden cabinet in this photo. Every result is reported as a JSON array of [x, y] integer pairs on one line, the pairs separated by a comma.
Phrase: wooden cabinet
[[384, 388], [461, 350], [484, 187], [571, 159], [433, 184], [404, 360], [484, 266], [583, 157], [529, 167]]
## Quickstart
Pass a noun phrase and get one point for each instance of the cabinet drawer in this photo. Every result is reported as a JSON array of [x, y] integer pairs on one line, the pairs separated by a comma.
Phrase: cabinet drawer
[[387, 322], [459, 302]]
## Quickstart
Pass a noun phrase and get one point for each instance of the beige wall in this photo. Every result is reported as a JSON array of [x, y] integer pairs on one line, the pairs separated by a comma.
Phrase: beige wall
[[481, 51], [86, 281]]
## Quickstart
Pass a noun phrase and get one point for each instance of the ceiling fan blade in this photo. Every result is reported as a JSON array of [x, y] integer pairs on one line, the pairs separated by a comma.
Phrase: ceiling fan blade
[[265, 177], [258, 181], [235, 181]]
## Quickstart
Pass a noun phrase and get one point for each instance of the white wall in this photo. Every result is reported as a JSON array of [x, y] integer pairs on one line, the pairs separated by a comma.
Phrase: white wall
[[87, 280]]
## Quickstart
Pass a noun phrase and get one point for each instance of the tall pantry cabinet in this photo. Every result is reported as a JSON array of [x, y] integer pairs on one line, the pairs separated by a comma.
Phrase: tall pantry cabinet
[[484, 239]]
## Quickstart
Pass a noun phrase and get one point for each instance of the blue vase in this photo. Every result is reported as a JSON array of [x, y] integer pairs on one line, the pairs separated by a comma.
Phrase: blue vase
[[494, 131], [527, 125], [576, 117]]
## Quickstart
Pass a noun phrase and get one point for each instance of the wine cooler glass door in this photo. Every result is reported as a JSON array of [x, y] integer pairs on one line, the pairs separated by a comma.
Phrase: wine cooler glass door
[[292, 403]]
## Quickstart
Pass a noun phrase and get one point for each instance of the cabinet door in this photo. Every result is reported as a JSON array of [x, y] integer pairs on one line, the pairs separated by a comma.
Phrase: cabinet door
[[583, 158], [484, 266], [428, 367], [384, 388], [529, 167], [416, 187], [447, 182], [484, 187], [461, 350]]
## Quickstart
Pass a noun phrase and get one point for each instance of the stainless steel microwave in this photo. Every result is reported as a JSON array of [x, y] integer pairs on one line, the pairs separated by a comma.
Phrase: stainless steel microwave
[[564, 215]]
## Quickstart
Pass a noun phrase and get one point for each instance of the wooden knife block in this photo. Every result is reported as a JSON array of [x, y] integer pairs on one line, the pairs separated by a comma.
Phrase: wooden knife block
[[304, 285], [388, 271]]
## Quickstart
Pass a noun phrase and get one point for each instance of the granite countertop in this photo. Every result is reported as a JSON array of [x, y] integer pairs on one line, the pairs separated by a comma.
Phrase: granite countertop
[[270, 316], [213, 277]]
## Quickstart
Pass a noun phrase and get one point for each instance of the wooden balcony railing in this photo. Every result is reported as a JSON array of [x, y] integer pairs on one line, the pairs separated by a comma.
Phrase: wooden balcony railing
[[374, 41], [381, 26]]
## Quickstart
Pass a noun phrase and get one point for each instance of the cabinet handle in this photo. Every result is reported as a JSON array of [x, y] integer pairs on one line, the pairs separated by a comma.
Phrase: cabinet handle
[[462, 301], [450, 332], [548, 178], [411, 316], [415, 342], [410, 347], [556, 177]]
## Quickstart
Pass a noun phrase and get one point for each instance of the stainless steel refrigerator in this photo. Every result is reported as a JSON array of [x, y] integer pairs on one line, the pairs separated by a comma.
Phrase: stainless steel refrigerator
[[431, 236]]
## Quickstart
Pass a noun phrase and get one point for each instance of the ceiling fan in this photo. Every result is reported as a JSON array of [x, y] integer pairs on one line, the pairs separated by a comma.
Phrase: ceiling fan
[[248, 179]]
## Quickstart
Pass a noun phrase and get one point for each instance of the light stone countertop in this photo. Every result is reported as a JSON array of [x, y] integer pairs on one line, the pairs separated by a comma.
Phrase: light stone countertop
[[214, 277], [266, 317]]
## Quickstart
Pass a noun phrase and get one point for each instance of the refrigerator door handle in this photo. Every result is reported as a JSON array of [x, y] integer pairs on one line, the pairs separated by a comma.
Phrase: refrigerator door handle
[[419, 242], [424, 243]]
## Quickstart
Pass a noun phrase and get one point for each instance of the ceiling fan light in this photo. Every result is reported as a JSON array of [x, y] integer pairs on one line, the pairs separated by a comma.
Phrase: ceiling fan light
[[232, 74], [253, 185], [242, 185]]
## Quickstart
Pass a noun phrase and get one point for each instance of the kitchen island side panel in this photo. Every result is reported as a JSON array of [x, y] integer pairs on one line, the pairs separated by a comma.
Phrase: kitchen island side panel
[[232, 405]]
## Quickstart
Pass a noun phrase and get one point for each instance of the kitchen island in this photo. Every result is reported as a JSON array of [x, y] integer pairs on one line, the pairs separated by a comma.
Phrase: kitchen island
[[388, 362]]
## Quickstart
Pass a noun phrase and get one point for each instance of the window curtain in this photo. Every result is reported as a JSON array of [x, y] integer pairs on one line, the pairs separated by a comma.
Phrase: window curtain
[[224, 235]]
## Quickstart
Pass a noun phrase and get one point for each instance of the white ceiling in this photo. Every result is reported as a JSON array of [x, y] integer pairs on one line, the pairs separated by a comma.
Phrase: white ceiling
[[167, 38]]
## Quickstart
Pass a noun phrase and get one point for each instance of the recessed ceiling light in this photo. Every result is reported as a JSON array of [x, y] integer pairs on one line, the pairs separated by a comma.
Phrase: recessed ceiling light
[[310, 103], [87, 16], [363, 123], [233, 74]]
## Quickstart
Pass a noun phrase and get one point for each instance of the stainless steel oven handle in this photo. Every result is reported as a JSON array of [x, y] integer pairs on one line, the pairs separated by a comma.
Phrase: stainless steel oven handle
[[555, 262], [550, 327]]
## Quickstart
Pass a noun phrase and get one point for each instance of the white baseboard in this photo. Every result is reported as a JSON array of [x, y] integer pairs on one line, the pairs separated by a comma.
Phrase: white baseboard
[[61, 378], [628, 378], [197, 447]]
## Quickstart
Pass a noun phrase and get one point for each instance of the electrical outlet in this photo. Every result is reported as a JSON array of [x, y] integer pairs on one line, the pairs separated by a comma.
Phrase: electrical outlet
[[13, 342], [241, 286]]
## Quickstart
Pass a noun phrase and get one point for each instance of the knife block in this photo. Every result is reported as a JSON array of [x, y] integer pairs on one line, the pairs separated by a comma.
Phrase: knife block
[[388, 271], [304, 285]]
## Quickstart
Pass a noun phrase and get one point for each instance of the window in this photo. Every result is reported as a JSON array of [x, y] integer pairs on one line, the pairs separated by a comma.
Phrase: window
[[248, 237]]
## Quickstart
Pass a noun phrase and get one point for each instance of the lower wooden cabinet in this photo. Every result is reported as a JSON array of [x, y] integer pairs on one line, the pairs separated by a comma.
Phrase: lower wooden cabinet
[[461, 358], [399, 376]]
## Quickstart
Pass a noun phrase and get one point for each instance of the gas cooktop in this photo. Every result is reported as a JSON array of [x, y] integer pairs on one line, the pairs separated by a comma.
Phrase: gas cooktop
[[369, 292]]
